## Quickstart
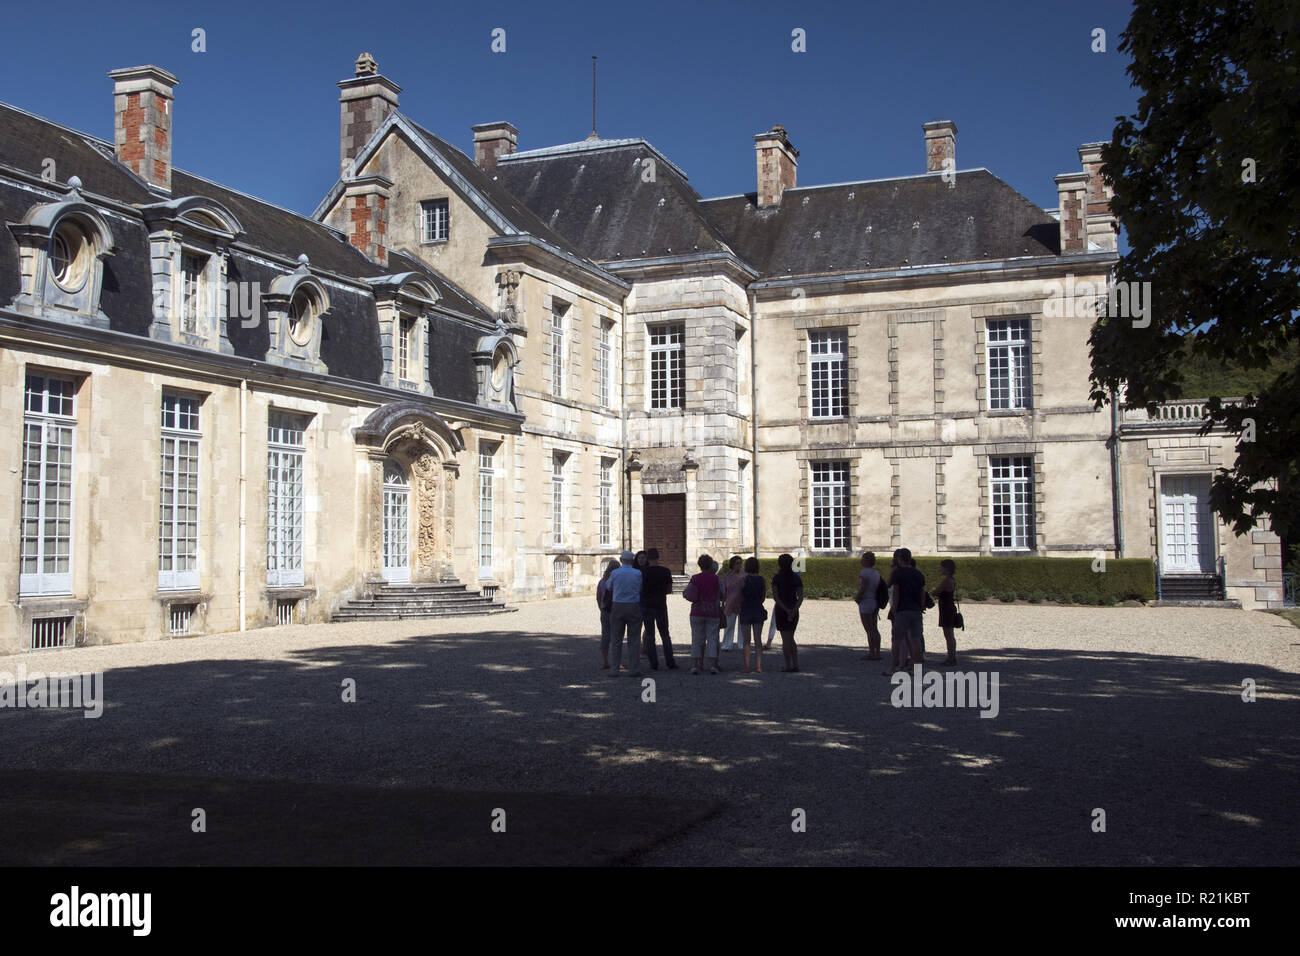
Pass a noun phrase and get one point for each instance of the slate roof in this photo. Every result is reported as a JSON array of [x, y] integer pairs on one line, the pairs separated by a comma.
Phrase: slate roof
[[886, 224], [350, 348], [597, 195]]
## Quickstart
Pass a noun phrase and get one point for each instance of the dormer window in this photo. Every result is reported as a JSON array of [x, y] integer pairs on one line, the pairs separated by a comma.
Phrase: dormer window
[[302, 316], [193, 292], [403, 303], [62, 247], [295, 308], [404, 348]]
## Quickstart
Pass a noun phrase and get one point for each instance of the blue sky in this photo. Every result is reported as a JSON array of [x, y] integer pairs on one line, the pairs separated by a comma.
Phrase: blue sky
[[258, 110]]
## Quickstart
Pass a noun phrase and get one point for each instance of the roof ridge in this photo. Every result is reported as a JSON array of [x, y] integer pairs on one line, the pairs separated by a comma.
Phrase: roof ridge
[[859, 182], [591, 145]]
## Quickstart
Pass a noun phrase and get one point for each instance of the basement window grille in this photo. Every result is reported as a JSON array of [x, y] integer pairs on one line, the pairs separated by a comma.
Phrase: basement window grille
[[180, 615], [561, 570], [50, 632], [286, 612]]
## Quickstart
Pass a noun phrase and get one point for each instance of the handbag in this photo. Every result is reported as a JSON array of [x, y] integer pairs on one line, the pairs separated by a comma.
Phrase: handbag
[[958, 621], [929, 601], [691, 592], [882, 593]]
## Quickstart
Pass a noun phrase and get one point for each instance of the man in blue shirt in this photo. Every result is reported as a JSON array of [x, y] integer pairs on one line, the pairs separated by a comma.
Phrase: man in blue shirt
[[625, 615], [907, 601]]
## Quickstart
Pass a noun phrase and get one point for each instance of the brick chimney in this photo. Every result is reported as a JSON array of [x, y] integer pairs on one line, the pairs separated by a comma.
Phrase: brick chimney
[[492, 140], [1071, 190], [365, 202], [940, 144], [142, 122], [365, 102], [777, 162], [1102, 226]]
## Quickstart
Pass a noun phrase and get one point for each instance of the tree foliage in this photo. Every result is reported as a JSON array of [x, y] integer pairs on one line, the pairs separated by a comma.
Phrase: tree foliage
[[1206, 176]]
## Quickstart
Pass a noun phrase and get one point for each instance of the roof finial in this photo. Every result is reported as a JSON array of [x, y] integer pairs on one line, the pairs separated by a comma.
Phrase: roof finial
[[366, 65]]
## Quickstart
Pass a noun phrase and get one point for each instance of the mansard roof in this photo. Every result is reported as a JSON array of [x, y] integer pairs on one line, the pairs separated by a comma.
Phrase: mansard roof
[[886, 224], [267, 248], [615, 199]]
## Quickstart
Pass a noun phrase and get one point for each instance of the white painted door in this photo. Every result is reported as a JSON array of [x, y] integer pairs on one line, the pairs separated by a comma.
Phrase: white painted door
[[397, 524], [1185, 525]]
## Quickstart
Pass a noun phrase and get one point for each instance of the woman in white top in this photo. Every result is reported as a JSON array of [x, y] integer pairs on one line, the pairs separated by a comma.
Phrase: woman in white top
[[868, 582]]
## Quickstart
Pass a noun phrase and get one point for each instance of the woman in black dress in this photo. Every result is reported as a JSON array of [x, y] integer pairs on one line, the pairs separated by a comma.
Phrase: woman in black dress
[[752, 612], [945, 594], [787, 592]]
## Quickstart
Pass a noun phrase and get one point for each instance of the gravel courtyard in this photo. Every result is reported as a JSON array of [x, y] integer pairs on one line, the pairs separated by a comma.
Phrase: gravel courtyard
[[1136, 711]]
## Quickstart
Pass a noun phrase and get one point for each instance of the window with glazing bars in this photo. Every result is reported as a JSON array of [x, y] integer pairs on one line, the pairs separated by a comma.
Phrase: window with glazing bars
[[45, 531], [486, 478], [192, 291], [830, 505], [1009, 368], [607, 501], [604, 365], [178, 513], [828, 368], [557, 350], [436, 220], [557, 497], [667, 366], [1011, 483], [285, 455]]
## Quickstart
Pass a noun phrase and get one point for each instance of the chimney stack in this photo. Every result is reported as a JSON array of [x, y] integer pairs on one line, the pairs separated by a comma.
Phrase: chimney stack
[[940, 145], [1102, 227], [142, 122], [492, 140], [777, 162], [365, 102], [365, 200], [1071, 190]]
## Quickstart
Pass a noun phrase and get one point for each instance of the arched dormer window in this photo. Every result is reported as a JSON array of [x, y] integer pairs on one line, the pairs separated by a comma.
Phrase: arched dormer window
[[62, 246], [192, 299], [402, 303], [295, 309], [495, 358]]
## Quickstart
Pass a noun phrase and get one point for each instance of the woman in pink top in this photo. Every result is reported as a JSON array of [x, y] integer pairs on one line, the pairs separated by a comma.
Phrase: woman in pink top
[[732, 585], [705, 594]]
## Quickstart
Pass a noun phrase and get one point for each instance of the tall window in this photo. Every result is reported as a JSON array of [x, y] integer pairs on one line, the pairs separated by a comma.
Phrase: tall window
[[828, 363], [604, 364], [49, 425], [486, 476], [1012, 481], [285, 450], [557, 497], [667, 366], [436, 221], [192, 291], [557, 350], [742, 495], [830, 511], [405, 332], [178, 515], [607, 501], [1009, 367]]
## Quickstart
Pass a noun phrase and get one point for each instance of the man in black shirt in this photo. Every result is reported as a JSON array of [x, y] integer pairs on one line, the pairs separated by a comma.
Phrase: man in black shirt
[[907, 602], [657, 584]]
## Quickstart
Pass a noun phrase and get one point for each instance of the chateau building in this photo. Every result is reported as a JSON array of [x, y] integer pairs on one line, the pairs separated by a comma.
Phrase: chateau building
[[502, 369]]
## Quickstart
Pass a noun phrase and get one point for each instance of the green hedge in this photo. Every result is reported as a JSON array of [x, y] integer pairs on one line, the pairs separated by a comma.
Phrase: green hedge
[[1054, 578]]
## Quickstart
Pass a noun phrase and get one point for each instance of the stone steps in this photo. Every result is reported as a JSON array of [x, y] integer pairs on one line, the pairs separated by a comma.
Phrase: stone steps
[[402, 602], [1191, 587]]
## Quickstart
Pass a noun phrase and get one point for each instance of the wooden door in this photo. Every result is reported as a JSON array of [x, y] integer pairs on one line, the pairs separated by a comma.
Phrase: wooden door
[[665, 529]]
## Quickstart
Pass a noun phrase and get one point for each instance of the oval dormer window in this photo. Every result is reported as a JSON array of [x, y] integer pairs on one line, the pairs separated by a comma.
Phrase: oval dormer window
[[302, 317], [69, 257], [500, 366]]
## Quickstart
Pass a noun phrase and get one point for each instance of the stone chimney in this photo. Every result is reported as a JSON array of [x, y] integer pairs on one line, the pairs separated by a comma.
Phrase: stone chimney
[[1071, 190], [940, 144], [1102, 226], [142, 122], [365, 204], [365, 102], [777, 162], [492, 140]]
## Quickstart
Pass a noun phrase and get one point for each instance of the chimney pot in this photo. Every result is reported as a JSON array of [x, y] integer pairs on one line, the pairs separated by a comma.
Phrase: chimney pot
[[777, 165], [142, 122], [940, 145], [492, 141]]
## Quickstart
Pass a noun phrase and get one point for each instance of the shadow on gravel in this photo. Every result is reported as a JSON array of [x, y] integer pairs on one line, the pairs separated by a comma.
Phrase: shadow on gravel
[[1186, 772]]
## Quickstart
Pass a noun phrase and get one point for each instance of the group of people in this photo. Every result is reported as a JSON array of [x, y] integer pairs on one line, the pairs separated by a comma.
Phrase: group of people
[[728, 611]]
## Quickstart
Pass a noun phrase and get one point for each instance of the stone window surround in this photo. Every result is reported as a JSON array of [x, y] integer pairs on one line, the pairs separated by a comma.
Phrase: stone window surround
[[1011, 449], [805, 458], [802, 325], [1031, 309]]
